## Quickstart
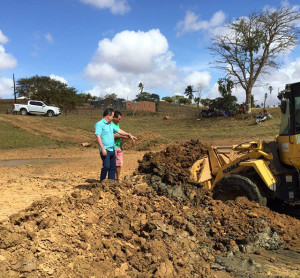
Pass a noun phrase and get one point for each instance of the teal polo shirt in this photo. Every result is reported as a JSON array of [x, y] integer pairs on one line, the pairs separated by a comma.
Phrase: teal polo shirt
[[106, 132]]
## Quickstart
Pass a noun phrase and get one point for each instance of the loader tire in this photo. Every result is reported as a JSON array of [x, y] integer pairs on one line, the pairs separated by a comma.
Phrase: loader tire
[[234, 185]]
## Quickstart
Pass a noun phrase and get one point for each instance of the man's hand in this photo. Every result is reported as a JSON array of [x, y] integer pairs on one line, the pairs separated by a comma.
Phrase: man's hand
[[103, 152], [133, 138]]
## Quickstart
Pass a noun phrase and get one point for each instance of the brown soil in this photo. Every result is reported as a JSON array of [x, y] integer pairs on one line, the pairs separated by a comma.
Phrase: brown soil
[[171, 228]]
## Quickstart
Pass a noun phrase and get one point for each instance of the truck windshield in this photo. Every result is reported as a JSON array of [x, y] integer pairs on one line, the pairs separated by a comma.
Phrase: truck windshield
[[297, 114], [284, 126]]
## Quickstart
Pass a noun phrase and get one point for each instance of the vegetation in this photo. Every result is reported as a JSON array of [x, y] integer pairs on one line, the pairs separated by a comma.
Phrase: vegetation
[[251, 45], [14, 138], [144, 96], [189, 92], [49, 90], [227, 101]]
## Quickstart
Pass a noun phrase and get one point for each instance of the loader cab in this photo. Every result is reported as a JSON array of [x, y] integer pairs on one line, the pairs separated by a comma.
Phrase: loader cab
[[289, 134]]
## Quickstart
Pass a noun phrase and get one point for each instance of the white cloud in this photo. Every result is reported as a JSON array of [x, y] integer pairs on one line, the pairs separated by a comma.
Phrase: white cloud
[[115, 6], [3, 38], [197, 77], [192, 23], [129, 58], [58, 78], [6, 85], [7, 61], [49, 38]]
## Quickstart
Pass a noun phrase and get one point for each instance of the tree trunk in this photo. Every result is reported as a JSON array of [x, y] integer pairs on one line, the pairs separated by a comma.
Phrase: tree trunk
[[248, 101]]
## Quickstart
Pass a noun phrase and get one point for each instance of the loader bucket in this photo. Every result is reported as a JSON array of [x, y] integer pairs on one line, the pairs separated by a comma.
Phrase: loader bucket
[[200, 172]]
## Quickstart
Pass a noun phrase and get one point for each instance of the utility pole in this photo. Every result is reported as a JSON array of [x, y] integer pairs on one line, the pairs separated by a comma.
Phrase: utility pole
[[14, 88]]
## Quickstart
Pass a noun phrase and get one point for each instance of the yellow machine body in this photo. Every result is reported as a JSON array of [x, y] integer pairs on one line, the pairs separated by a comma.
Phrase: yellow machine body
[[220, 163]]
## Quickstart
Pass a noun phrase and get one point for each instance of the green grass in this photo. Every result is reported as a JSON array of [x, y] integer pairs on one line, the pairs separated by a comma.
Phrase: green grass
[[12, 138]]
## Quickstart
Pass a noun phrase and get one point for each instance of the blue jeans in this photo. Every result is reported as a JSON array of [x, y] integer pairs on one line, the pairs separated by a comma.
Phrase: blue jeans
[[108, 166]]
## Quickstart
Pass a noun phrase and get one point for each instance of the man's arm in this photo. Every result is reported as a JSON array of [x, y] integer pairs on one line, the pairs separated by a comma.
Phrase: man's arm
[[99, 142], [128, 135], [117, 136]]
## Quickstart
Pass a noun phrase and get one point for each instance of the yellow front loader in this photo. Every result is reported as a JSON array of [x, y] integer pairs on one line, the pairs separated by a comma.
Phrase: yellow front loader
[[260, 171]]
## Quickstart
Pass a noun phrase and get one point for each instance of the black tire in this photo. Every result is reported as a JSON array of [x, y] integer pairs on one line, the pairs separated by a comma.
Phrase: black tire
[[50, 113], [23, 112], [234, 185]]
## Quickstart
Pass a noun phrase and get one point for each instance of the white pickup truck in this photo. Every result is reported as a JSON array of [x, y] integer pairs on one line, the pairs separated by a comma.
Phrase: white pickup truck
[[36, 107]]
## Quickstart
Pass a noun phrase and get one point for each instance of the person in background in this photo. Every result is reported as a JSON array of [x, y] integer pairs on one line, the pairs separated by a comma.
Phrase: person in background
[[104, 133], [119, 143]]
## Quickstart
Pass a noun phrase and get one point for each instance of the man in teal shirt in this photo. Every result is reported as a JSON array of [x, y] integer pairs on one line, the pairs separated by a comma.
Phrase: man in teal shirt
[[104, 132]]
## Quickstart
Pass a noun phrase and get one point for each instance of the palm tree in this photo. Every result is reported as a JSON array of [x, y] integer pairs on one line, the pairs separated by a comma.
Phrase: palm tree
[[189, 92], [141, 86]]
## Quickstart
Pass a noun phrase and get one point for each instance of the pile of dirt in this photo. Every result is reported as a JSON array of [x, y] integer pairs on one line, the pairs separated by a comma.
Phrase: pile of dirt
[[128, 229], [107, 231], [172, 228], [168, 170]]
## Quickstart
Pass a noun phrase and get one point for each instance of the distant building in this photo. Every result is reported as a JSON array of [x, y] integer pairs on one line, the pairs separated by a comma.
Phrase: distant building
[[141, 106]]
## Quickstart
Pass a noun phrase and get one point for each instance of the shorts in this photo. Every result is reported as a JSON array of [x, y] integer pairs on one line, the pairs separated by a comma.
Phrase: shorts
[[119, 156]]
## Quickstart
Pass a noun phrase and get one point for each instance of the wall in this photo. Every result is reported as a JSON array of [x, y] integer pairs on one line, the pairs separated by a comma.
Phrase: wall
[[140, 106]]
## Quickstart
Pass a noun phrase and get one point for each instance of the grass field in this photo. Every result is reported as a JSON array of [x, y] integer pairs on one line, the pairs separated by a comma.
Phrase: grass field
[[12, 137], [211, 130]]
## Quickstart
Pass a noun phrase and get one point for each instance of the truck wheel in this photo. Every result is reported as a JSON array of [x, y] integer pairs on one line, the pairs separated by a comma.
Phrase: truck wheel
[[234, 185], [23, 111], [50, 113]]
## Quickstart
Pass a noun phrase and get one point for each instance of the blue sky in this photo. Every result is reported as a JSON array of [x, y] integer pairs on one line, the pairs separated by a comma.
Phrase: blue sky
[[109, 46]]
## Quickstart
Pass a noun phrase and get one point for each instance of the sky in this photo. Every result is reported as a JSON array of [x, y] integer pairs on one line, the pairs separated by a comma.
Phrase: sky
[[110, 46]]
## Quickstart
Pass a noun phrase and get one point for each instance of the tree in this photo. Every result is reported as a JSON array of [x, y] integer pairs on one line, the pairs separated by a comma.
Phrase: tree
[[189, 92], [205, 102], [200, 89], [144, 96], [168, 99], [111, 96], [227, 101], [48, 90], [141, 86], [253, 44], [265, 99]]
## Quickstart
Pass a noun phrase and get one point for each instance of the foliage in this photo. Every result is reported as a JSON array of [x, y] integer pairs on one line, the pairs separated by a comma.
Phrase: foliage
[[205, 102], [168, 99], [111, 97], [144, 96], [141, 87], [189, 92], [181, 99], [251, 45], [227, 101], [48, 90]]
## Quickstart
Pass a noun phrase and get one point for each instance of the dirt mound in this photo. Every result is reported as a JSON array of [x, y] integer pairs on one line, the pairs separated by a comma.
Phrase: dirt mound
[[108, 231], [168, 174], [169, 229], [127, 229]]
